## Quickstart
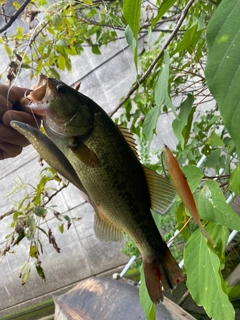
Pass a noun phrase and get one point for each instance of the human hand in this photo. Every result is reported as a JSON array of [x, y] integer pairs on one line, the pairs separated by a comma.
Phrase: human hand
[[12, 142]]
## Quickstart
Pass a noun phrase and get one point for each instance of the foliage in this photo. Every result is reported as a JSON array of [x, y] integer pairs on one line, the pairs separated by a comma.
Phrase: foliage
[[189, 71], [29, 215]]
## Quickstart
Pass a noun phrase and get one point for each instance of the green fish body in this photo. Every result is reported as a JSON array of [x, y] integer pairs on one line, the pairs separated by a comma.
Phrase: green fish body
[[120, 189]]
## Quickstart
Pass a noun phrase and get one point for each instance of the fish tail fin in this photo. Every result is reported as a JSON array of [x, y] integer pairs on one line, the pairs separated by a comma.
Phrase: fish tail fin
[[166, 274]]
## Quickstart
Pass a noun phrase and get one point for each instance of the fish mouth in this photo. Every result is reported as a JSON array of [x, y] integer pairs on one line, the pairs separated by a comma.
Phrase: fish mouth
[[40, 96], [38, 90]]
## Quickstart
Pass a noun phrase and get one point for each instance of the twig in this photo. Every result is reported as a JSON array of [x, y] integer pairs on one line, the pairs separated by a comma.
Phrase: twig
[[3, 13], [54, 194], [184, 297], [14, 16], [158, 57], [8, 213], [183, 227]]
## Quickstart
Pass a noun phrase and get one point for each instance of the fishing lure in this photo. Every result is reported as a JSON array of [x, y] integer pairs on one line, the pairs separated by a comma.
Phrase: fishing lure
[[183, 190]]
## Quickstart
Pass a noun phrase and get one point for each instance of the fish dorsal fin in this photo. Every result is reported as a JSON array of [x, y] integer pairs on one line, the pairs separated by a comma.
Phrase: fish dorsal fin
[[129, 138], [87, 156], [105, 230], [161, 191], [49, 152]]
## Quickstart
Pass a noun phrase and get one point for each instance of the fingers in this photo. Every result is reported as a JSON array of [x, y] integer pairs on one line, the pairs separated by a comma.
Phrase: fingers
[[8, 150], [9, 96], [12, 142], [25, 117]]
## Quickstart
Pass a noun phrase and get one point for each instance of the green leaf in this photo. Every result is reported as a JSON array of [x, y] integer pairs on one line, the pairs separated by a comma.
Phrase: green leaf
[[181, 220], [165, 6], [16, 5], [33, 252], [234, 292], [54, 73], [194, 176], [234, 182], [57, 20], [40, 272], [31, 223], [61, 62], [220, 234], [130, 39], [146, 303], [204, 279], [43, 231], [190, 39], [214, 140], [213, 159], [25, 272], [161, 94], [150, 122], [61, 227], [40, 211], [179, 124], [25, 66], [8, 50], [132, 13], [62, 43], [222, 69], [95, 49], [212, 206]]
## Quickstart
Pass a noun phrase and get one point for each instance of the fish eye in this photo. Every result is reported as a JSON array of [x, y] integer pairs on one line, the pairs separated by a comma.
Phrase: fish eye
[[60, 88]]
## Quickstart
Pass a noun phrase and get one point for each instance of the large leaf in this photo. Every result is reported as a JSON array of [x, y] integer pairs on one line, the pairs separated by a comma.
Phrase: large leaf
[[212, 206], [132, 13], [223, 65], [204, 279]]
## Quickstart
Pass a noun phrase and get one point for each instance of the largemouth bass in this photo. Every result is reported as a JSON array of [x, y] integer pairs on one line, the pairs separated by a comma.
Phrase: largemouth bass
[[108, 173]]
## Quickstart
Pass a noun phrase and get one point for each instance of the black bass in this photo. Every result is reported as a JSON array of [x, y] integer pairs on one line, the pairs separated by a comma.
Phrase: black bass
[[108, 173]]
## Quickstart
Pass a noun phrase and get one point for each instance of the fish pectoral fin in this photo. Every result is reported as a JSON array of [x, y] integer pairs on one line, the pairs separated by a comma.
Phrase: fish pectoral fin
[[162, 192], [87, 156], [49, 152], [128, 136], [105, 230]]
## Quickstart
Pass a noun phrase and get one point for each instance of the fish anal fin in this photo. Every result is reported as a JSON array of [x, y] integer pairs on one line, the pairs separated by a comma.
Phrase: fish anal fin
[[87, 156], [128, 136], [105, 230], [161, 191]]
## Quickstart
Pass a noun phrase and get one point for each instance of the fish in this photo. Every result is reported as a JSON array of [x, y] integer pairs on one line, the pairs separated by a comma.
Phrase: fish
[[183, 190], [104, 156]]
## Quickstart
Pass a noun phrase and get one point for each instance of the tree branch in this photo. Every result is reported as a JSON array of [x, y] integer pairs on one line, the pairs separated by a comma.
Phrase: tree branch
[[8, 213], [14, 16], [158, 57]]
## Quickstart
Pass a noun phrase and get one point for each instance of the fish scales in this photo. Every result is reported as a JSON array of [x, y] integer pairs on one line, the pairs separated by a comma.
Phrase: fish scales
[[110, 175], [119, 186]]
